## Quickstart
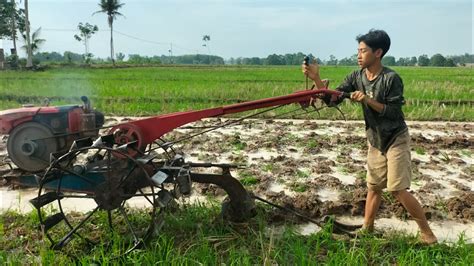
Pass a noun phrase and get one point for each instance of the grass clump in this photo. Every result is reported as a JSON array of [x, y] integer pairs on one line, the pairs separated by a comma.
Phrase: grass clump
[[420, 150]]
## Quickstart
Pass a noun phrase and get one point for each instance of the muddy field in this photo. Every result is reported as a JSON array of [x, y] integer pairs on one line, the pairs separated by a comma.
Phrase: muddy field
[[318, 168]]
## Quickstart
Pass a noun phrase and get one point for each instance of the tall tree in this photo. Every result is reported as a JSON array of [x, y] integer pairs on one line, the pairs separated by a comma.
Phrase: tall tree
[[332, 61], [423, 60], [207, 39], [389, 60], [437, 60], [85, 33], [110, 7], [11, 20]]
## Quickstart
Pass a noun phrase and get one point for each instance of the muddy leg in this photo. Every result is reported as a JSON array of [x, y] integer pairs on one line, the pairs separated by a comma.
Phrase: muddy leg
[[413, 207], [372, 205]]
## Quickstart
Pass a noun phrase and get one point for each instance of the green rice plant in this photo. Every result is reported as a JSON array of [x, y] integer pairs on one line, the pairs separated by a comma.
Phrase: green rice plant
[[420, 150], [302, 173], [431, 93], [269, 167], [361, 174], [298, 187]]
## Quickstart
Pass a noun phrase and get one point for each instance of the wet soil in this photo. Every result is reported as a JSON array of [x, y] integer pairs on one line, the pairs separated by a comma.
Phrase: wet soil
[[294, 163]]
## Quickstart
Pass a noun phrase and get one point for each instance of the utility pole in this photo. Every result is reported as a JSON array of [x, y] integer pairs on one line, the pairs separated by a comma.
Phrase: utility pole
[[29, 59]]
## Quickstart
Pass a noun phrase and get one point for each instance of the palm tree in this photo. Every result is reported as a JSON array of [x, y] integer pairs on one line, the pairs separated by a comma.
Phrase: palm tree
[[206, 39], [110, 7], [35, 41]]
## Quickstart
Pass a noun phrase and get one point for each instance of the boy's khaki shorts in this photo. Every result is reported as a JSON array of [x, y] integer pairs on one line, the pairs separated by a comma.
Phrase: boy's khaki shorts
[[392, 170]]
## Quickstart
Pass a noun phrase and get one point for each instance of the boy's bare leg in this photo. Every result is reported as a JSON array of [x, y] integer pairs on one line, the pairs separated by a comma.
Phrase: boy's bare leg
[[413, 207], [372, 204]]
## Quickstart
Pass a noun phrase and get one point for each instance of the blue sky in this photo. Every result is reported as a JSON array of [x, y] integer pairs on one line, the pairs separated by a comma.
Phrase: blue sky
[[258, 28]]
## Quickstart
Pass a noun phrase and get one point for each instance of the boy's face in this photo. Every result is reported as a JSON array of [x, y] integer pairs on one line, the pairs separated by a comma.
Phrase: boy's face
[[366, 56]]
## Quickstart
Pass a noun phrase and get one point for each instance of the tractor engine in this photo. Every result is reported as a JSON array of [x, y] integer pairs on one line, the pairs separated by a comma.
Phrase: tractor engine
[[36, 132]]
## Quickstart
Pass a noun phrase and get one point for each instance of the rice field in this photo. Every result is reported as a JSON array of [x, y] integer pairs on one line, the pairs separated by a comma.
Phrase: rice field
[[192, 234], [431, 93]]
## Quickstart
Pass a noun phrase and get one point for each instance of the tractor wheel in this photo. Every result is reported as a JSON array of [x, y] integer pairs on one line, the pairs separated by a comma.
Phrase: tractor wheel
[[99, 198]]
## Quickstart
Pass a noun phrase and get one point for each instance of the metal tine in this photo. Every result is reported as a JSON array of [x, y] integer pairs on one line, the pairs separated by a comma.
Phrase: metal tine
[[60, 245], [167, 145], [51, 221], [146, 159], [45, 199], [81, 143], [54, 156], [107, 140], [159, 177], [164, 198], [127, 146]]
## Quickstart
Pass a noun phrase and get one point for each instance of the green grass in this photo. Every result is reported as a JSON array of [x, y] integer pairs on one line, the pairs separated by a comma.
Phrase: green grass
[[248, 179], [298, 187], [193, 235], [155, 90], [420, 150]]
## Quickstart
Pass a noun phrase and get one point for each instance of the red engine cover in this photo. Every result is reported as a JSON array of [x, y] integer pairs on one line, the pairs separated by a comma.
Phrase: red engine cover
[[11, 118]]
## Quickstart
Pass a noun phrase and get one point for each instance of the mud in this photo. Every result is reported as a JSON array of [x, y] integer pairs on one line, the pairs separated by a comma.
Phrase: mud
[[462, 207], [318, 167]]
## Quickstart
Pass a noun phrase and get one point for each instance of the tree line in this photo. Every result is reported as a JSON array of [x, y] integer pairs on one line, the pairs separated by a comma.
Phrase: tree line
[[71, 58], [437, 60]]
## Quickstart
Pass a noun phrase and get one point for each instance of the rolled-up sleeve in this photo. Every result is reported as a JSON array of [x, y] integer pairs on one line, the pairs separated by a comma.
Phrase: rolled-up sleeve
[[394, 100]]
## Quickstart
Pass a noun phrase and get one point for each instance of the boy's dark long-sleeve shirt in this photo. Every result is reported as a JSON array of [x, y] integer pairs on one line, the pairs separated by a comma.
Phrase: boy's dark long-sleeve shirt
[[387, 88]]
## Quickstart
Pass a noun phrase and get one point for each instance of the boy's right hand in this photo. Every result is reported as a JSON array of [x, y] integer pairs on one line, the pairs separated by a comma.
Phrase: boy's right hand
[[311, 70]]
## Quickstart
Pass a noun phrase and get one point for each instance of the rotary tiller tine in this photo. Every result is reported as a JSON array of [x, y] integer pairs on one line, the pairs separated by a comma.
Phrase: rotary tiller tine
[[107, 141], [158, 178], [67, 238], [128, 145], [44, 199], [146, 159], [54, 156], [51, 221], [81, 143]]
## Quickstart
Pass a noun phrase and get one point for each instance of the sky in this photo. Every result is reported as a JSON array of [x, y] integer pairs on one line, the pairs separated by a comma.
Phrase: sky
[[252, 28]]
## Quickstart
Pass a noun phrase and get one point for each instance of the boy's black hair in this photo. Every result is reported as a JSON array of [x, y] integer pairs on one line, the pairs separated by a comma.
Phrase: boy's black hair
[[376, 39]]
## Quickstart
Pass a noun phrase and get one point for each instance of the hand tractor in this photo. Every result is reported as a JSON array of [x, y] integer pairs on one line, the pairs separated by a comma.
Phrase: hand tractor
[[59, 149]]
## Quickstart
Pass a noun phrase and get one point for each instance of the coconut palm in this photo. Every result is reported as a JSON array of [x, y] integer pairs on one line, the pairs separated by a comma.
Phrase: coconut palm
[[35, 41], [110, 7], [206, 39]]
